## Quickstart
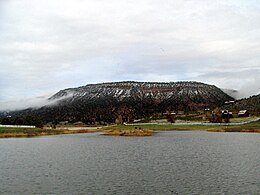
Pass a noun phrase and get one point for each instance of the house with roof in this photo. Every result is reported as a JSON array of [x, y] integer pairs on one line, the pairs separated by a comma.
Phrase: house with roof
[[226, 114], [243, 113]]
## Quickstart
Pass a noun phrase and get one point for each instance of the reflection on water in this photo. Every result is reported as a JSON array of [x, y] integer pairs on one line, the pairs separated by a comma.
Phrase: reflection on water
[[167, 163]]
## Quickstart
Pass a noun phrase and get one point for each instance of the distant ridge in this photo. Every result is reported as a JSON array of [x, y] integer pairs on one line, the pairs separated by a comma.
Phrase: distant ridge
[[104, 102], [252, 104]]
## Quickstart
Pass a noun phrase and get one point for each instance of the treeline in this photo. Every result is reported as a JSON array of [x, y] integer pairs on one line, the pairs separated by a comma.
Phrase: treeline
[[107, 110], [252, 104], [20, 120]]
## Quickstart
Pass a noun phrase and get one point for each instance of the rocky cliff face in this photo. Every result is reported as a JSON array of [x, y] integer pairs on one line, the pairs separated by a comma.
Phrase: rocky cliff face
[[193, 91]]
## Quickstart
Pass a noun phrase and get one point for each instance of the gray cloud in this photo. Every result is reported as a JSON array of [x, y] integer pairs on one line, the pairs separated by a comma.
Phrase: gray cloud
[[49, 45]]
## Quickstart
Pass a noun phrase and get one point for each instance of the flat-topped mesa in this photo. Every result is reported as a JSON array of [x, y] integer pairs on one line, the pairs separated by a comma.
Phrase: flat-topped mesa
[[105, 102], [127, 89]]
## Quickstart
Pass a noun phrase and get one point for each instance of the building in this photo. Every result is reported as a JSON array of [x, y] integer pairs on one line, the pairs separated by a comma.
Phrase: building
[[79, 123], [243, 113], [63, 122], [226, 114]]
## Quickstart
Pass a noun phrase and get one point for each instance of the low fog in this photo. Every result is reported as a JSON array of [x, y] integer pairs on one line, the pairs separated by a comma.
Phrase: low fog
[[33, 102]]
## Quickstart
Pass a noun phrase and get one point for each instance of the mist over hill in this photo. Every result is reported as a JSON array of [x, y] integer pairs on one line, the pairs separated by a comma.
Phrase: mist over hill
[[231, 92], [104, 102]]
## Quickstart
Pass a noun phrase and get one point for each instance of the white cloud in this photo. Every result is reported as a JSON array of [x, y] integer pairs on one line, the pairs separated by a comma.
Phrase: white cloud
[[49, 45]]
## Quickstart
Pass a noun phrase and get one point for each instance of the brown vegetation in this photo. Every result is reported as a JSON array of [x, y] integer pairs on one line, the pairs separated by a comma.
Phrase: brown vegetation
[[21, 132], [133, 132], [244, 130]]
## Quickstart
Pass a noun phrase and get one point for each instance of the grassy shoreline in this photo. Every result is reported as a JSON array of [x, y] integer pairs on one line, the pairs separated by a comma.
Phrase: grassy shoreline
[[125, 130], [253, 127], [29, 132], [129, 132]]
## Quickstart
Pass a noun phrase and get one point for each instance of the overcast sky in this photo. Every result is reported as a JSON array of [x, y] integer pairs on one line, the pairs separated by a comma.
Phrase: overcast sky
[[48, 45]]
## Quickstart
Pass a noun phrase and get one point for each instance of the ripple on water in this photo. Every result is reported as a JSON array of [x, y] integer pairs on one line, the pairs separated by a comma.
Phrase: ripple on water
[[167, 163]]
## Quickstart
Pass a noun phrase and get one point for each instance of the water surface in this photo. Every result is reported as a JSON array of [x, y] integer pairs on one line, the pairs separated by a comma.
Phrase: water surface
[[189, 162]]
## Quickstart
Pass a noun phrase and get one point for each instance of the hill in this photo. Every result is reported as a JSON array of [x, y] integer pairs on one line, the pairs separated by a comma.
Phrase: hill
[[104, 102], [252, 104]]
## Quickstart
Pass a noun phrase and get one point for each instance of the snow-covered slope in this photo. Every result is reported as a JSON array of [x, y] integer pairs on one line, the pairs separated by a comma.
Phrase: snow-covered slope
[[142, 90]]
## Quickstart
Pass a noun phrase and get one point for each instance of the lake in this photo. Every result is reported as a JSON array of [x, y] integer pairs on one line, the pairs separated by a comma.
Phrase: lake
[[176, 162]]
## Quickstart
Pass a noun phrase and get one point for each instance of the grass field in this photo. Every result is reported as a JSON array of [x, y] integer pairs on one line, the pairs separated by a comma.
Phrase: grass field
[[172, 127], [253, 127]]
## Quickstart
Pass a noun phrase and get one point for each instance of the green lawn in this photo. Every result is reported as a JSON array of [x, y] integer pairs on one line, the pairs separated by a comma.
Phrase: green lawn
[[165, 127]]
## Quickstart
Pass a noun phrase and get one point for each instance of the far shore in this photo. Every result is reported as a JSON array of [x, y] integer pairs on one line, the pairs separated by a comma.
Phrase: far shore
[[128, 130], [252, 127], [29, 132], [241, 130]]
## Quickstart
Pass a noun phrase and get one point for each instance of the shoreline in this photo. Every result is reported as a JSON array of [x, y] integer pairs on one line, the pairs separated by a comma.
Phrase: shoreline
[[126, 130], [235, 130], [133, 132], [27, 133]]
